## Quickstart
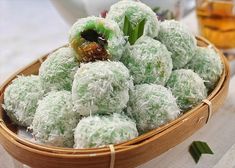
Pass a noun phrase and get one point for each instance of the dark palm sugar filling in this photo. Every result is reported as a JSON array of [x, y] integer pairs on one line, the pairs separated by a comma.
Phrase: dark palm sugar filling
[[93, 47], [93, 36]]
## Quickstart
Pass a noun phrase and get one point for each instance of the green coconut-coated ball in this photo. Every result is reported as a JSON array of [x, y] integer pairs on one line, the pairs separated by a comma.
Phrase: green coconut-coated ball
[[99, 131], [151, 106], [57, 71], [21, 98], [207, 64], [55, 120], [136, 12], [178, 40], [187, 87], [95, 38], [149, 61], [101, 87]]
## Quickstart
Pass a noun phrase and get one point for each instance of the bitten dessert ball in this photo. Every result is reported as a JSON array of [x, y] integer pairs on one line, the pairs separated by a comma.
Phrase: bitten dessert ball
[[95, 38], [178, 40], [149, 61], [101, 87], [55, 120], [21, 98], [136, 12], [57, 71], [187, 87], [207, 64], [151, 106], [99, 131]]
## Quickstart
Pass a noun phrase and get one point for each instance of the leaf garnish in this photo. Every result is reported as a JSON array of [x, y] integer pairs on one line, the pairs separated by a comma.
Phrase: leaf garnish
[[126, 26], [133, 33], [197, 148]]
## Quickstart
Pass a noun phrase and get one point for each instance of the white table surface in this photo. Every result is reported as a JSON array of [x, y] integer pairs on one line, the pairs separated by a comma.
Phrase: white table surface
[[29, 29]]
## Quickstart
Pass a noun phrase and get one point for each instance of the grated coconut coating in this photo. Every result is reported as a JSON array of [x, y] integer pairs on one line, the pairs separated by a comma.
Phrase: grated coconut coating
[[178, 40], [136, 12], [101, 87], [207, 64], [187, 87], [116, 43], [21, 98], [151, 106], [99, 131], [57, 71], [149, 61], [55, 120]]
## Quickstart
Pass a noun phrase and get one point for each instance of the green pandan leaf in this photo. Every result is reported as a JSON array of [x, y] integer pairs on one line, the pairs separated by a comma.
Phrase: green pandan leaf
[[133, 33], [141, 28], [197, 148], [126, 26]]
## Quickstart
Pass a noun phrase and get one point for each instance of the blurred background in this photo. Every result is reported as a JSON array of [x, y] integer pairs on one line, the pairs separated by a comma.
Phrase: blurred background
[[30, 29]]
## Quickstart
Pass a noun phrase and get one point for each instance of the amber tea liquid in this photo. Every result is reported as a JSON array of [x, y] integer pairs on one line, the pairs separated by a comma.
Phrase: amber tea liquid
[[217, 22]]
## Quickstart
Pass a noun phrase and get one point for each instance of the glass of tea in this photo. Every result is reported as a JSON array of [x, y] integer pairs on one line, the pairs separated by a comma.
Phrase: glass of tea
[[216, 20]]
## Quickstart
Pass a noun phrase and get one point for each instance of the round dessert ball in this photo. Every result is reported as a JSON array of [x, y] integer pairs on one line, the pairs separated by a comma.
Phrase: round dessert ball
[[101, 87], [21, 98], [179, 41], [136, 12], [187, 87], [57, 71], [95, 38], [151, 106], [55, 120], [99, 131], [207, 64], [149, 61]]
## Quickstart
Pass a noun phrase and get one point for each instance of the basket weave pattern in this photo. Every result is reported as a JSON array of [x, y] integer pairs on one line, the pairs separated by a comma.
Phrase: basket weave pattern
[[128, 154]]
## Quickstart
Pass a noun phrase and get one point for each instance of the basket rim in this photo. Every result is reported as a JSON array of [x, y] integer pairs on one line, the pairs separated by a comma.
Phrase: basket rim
[[140, 140]]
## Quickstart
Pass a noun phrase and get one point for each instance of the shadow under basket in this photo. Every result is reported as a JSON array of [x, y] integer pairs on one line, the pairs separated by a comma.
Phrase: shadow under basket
[[128, 154]]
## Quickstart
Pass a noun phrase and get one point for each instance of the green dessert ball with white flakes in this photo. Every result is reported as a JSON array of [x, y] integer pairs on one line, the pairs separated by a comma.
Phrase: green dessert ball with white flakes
[[99, 131], [55, 120], [57, 71], [188, 88], [151, 106], [179, 41], [95, 38], [149, 61], [136, 12], [207, 64], [101, 87], [21, 98]]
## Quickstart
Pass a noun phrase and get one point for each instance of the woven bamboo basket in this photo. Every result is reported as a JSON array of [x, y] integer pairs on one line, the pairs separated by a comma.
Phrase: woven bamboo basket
[[128, 154]]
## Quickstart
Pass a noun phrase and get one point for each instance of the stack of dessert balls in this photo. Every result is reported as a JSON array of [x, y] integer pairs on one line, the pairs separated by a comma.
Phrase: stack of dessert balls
[[101, 90]]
